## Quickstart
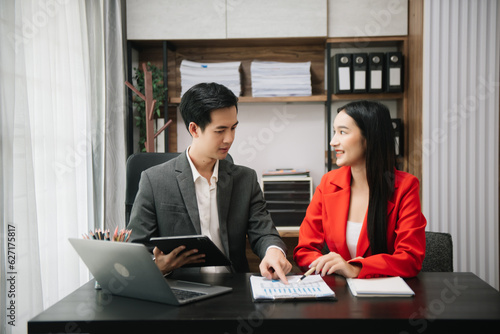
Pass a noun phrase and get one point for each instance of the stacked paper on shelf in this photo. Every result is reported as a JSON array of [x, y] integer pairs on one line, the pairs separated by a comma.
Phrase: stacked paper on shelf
[[271, 78], [226, 74], [286, 172]]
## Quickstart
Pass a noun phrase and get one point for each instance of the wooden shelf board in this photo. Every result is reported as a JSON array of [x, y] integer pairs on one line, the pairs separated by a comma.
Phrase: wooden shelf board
[[231, 42], [313, 98], [367, 39], [288, 231], [368, 96], [280, 99]]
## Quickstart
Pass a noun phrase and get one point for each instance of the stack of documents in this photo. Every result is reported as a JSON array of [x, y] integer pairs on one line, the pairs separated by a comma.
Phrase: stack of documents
[[286, 172], [280, 79], [227, 74]]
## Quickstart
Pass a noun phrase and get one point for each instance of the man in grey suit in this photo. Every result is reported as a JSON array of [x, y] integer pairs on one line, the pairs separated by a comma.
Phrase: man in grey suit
[[201, 193]]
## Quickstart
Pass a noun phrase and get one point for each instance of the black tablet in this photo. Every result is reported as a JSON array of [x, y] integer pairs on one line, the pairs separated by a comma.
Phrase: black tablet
[[213, 255]]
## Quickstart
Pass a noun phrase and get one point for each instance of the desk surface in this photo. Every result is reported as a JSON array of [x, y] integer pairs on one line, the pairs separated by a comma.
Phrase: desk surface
[[443, 302]]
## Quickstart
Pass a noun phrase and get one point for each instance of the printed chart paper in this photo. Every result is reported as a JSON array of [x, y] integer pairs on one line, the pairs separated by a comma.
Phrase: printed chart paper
[[311, 287]]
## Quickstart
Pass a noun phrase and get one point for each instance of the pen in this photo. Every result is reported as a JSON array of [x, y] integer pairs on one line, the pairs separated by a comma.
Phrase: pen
[[307, 273]]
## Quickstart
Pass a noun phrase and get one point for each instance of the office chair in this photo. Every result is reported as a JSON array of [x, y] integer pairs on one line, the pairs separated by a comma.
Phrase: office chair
[[136, 164], [438, 252]]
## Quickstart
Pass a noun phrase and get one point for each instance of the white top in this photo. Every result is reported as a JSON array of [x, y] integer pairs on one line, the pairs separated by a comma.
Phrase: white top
[[206, 197], [352, 236]]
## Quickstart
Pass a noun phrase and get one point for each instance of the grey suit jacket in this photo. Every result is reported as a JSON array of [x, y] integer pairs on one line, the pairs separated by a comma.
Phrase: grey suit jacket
[[166, 205]]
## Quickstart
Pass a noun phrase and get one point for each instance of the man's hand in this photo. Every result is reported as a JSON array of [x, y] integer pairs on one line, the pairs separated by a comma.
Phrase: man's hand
[[275, 265], [176, 258], [334, 263]]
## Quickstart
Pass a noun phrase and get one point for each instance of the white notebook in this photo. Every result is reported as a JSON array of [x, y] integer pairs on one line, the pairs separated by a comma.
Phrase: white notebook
[[379, 287]]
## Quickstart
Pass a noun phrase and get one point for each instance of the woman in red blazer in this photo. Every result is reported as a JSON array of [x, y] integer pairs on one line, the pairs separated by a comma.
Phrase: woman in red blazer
[[367, 213]]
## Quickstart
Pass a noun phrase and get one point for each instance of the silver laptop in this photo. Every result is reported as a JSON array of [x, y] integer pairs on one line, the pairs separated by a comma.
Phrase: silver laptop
[[127, 269]]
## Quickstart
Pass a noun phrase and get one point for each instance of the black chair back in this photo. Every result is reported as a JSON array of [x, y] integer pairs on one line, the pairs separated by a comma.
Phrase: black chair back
[[438, 252], [136, 164]]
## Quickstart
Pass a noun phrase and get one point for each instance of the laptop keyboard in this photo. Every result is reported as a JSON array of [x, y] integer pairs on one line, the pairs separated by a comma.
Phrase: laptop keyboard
[[186, 294]]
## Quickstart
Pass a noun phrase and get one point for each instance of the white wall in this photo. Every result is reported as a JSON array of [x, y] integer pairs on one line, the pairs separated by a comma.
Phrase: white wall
[[367, 18], [460, 130], [219, 19], [276, 136]]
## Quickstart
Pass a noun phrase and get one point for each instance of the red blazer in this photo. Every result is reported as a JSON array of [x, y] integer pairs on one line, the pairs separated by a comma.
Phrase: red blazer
[[326, 222]]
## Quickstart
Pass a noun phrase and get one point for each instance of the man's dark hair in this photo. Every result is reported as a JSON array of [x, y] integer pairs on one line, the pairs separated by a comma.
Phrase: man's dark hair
[[197, 103]]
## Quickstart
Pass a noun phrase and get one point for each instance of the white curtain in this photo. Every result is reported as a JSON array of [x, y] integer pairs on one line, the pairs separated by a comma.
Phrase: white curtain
[[461, 130], [115, 120], [54, 143]]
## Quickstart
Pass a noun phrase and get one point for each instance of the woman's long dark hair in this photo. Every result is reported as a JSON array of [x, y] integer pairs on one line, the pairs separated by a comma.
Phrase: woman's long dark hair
[[374, 121]]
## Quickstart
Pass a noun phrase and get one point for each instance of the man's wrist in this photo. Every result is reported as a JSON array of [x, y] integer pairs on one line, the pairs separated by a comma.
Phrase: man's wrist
[[167, 273], [272, 246]]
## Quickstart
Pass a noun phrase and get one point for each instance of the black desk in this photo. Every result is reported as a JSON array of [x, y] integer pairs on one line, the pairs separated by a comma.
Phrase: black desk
[[443, 303]]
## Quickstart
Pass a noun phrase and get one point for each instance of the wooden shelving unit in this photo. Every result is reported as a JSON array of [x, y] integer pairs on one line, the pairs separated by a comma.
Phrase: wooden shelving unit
[[243, 50], [246, 51], [171, 53]]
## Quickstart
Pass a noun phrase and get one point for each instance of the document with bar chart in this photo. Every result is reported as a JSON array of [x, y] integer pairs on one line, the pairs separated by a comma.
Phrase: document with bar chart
[[310, 288]]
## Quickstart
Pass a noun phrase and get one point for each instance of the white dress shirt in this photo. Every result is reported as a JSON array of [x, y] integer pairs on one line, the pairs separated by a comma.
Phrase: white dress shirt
[[206, 197]]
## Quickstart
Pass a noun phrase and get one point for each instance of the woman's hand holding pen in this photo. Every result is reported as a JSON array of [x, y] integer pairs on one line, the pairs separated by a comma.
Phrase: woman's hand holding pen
[[176, 258], [334, 263]]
